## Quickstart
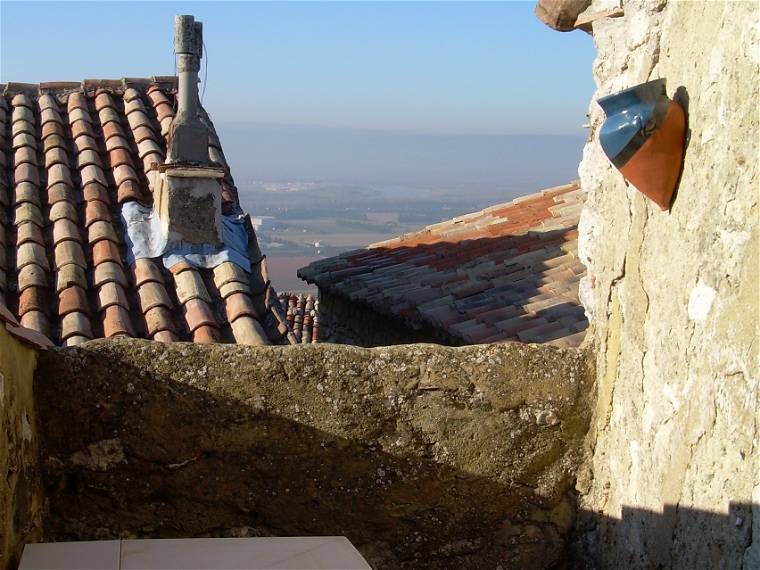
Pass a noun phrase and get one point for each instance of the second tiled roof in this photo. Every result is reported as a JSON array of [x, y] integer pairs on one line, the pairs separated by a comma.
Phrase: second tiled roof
[[510, 271]]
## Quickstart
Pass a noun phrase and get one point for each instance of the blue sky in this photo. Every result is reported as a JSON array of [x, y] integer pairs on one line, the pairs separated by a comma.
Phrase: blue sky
[[454, 68]]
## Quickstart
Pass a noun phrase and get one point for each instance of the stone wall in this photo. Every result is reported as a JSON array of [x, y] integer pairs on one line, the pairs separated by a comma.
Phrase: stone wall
[[21, 499], [345, 321], [674, 475], [424, 456]]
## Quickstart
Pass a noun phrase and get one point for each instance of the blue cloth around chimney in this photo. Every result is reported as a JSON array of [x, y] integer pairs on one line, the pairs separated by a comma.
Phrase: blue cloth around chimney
[[144, 238]]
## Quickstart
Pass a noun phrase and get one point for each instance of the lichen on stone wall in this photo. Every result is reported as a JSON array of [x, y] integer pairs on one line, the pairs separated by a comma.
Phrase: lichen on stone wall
[[21, 498], [424, 456], [673, 301]]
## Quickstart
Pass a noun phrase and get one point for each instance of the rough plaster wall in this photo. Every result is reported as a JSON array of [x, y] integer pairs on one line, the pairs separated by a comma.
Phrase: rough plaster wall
[[424, 456], [674, 478], [21, 499], [348, 322]]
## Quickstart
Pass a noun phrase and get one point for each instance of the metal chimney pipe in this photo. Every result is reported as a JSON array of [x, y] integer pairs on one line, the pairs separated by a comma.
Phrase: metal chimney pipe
[[189, 136]]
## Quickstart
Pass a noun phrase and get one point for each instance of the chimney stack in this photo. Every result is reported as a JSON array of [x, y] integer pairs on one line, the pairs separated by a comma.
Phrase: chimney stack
[[188, 192], [189, 137]]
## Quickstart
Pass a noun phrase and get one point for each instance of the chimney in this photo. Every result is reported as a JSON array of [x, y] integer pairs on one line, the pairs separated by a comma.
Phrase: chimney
[[189, 137], [188, 191]]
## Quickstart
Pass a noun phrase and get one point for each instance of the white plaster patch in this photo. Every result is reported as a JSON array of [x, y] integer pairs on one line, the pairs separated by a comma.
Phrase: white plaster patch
[[700, 301]]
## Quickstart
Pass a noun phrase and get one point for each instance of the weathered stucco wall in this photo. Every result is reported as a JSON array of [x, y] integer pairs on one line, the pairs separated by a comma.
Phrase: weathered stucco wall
[[424, 456], [674, 479], [352, 322], [21, 499]]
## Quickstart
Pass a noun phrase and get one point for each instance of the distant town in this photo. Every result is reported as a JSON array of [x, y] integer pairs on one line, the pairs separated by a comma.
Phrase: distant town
[[300, 221]]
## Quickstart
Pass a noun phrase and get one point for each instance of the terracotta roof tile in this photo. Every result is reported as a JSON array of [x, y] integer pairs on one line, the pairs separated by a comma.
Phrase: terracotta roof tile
[[112, 293], [89, 157], [153, 295], [206, 334], [103, 251], [100, 230], [75, 323], [31, 252], [248, 331], [229, 272], [189, 285], [37, 321], [238, 305], [96, 211], [70, 275], [25, 155], [29, 232], [85, 142], [159, 319], [165, 336], [32, 299], [69, 252], [31, 276], [234, 287], [112, 130], [63, 209], [26, 192], [146, 270], [119, 156], [59, 192], [80, 129], [198, 313], [28, 212], [72, 299], [501, 273], [75, 340], [116, 321], [53, 137], [100, 146], [109, 271], [95, 191], [56, 155]]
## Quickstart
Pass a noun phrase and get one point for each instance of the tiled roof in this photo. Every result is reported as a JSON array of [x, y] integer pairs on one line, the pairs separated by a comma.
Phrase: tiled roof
[[302, 311], [25, 335], [509, 272], [72, 155]]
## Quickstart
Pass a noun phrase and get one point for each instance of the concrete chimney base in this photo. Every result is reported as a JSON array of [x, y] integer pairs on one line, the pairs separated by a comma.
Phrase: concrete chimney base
[[188, 201]]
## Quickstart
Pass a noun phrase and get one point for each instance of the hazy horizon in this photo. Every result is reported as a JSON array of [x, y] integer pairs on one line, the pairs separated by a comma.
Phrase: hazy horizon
[[274, 152]]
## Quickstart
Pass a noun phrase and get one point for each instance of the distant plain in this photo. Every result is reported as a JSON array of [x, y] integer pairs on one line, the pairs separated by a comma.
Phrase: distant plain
[[321, 191]]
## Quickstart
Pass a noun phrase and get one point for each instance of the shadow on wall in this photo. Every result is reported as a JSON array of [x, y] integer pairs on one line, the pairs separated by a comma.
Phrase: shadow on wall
[[677, 538], [139, 454], [477, 290]]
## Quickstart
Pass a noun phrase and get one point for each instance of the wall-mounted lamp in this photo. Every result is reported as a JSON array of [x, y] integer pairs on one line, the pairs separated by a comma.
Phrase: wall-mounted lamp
[[643, 136]]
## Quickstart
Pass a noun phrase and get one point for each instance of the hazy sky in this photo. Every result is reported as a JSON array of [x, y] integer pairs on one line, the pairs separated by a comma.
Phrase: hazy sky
[[440, 68]]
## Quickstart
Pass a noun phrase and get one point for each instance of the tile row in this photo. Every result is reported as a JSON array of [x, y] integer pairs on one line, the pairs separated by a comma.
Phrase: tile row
[[302, 312]]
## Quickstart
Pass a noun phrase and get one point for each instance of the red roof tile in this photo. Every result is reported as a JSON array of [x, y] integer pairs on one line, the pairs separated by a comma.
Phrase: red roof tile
[[71, 155], [509, 272], [302, 312]]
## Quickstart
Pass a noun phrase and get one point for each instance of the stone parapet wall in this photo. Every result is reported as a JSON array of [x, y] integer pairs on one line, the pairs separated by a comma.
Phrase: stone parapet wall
[[673, 480], [21, 499], [424, 456]]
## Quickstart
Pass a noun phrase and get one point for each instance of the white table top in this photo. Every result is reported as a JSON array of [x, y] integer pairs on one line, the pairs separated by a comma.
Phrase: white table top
[[292, 553]]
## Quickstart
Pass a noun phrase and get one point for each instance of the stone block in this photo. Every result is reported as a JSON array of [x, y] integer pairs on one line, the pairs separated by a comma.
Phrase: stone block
[[189, 204]]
